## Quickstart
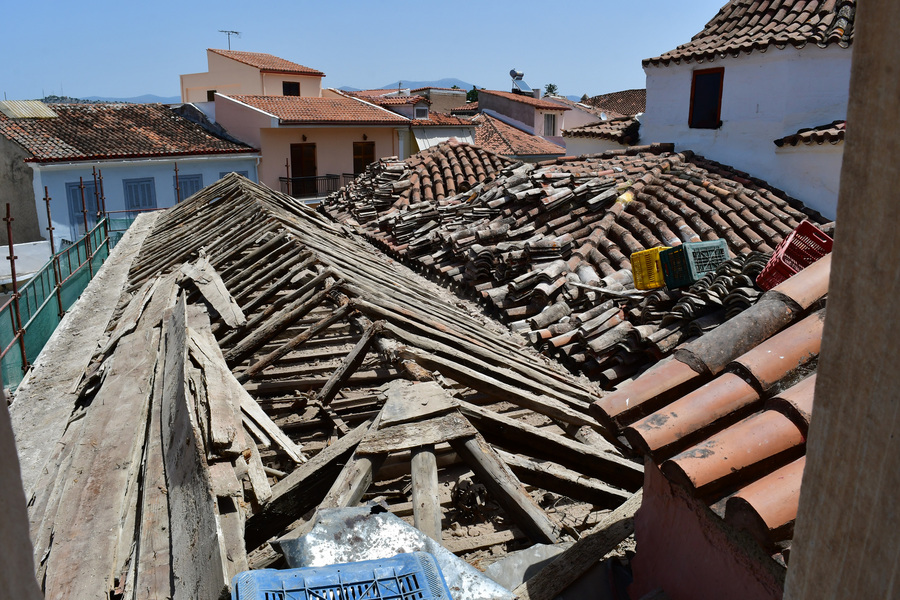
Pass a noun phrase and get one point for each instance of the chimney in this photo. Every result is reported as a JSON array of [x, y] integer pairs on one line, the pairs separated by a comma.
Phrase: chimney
[[537, 92]]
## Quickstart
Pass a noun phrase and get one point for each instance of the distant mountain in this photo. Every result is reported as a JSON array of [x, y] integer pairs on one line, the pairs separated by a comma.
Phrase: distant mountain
[[145, 99], [448, 82]]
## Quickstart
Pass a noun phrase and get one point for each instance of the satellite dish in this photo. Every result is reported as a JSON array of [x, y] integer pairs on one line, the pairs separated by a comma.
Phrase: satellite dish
[[516, 74]]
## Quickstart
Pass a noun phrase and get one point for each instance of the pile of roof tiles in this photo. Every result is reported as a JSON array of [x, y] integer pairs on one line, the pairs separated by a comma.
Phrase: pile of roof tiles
[[547, 246]]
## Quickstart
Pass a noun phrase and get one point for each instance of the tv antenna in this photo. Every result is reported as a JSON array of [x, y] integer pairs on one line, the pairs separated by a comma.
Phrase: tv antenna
[[230, 33]]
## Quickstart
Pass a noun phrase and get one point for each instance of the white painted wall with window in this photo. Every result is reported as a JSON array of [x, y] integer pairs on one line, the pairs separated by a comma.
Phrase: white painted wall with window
[[129, 186], [765, 96]]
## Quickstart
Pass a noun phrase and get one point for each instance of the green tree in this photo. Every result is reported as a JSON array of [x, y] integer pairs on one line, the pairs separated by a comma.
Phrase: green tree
[[550, 89], [472, 95]]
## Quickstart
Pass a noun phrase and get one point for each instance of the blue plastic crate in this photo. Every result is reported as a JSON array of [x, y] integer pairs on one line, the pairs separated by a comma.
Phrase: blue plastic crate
[[404, 577]]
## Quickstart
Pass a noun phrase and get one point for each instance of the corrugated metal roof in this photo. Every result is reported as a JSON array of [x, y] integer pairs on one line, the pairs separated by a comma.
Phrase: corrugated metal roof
[[26, 109]]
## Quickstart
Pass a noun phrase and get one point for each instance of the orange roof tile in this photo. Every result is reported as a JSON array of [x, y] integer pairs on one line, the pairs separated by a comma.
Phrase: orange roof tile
[[529, 100], [747, 25], [626, 102], [102, 131], [833, 133], [440, 119], [298, 109], [624, 130], [497, 136], [267, 62]]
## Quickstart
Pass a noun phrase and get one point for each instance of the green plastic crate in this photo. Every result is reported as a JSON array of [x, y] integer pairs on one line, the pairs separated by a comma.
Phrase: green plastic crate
[[685, 264]]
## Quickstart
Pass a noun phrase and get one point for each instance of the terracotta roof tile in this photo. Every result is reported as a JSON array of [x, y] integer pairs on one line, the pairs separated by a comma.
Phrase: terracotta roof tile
[[299, 109], [383, 100], [268, 63], [100, 131], [497, 136], [469, 107], [833, 133], [747, 25], [532, 235], [441, 120], [625, 103], [624, 130], [529, 100]]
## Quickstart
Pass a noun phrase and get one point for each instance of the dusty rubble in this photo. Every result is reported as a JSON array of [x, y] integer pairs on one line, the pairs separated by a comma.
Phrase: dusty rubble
[[244, 382]]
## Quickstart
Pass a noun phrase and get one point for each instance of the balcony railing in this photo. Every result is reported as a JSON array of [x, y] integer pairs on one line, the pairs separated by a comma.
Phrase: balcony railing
[[310, 187]]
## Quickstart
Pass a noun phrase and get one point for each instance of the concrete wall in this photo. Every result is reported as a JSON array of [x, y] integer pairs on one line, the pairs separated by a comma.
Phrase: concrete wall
[[845, 540], [689, 552], [515, 110], [765, 96], [334, 148], [17, 190], [443, 101], [231, 77], [55, 177], [810, 173], [577, 146]]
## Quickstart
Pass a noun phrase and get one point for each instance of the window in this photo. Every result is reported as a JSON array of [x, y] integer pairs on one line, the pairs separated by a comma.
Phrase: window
[[363, 156], [188, 184], [140, 194], [76, 209], [422, 112], [290, 88], [706, 99], [550, 124], [210, 95]]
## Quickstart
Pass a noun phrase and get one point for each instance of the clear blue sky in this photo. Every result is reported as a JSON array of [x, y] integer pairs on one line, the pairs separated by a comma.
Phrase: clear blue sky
[[125, 49]]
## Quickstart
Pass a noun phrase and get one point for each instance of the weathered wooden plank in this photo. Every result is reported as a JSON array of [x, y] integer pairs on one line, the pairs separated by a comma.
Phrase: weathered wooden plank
[[412, 435], [425, 492], [258, 480], [224, 482], [550, 581], [153, 569], [533, 441], [224, 423], [506, 488], [302, 490], [198, 560], [130, 316], [295, 342], [254, 412], [83, 555], [231, 523], [464, 545], [494, 387], [555, 478], [409, 401], [348, 366]]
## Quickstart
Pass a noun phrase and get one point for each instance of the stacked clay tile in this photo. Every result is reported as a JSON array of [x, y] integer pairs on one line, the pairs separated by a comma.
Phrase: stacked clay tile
[[547, 246]]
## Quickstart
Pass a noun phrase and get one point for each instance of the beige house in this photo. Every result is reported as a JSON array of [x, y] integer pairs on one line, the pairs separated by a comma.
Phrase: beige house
[[234, 72]]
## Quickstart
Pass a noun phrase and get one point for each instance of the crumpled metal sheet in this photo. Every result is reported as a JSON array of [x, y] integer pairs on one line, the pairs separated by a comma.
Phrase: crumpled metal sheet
[[343, 535]]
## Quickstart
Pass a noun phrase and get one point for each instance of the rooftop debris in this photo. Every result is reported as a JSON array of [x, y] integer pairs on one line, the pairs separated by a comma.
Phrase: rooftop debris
[[546, 246], [264, 364]]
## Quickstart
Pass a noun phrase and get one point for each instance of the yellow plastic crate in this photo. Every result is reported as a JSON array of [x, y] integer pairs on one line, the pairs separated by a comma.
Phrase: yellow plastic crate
[[647, 269]]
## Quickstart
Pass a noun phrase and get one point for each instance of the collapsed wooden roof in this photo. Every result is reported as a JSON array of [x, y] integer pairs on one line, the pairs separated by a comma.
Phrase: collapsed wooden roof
[[245, 381]]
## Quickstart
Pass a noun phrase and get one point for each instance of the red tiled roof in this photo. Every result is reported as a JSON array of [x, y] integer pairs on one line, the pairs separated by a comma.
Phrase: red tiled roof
[[747, 25], [625, 103], [577, 105], [497, 136], [440, 119], [529, 100], [299, 109], [624, 130], [833, 133], [468, 107], [268, 63], [390, 100], [102, 131]]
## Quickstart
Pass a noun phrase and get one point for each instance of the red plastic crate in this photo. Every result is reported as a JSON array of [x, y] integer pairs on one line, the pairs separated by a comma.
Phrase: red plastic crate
[[804, 246]]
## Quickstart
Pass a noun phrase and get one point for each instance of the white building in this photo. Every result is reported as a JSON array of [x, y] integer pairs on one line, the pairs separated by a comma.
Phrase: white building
[[754, 76]]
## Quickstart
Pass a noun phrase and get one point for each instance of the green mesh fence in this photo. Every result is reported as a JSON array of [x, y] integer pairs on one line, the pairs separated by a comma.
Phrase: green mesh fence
[[41, 306]]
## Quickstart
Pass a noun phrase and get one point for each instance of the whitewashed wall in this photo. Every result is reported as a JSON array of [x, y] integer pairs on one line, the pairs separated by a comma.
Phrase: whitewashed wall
[[765, 96], [55, 177], [577, 146]]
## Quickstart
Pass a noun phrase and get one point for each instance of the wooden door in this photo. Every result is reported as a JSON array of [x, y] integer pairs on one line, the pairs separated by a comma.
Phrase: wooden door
[[303, 165]]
